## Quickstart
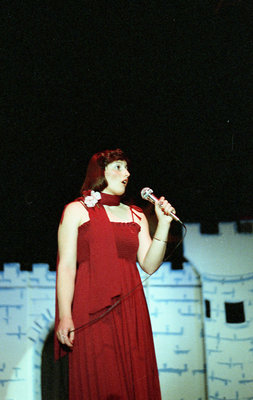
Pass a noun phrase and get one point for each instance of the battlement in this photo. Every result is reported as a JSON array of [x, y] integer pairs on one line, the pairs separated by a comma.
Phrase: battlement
[[13, 276]]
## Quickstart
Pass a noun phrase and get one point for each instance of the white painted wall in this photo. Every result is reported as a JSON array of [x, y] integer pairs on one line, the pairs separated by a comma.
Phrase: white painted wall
[[225, 264]]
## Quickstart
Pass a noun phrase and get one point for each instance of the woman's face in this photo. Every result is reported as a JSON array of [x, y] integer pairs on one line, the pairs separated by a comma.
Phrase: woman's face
[[116, 174]]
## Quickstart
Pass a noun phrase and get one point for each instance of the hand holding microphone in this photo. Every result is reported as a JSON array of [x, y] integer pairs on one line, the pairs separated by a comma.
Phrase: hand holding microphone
[[147, 194]]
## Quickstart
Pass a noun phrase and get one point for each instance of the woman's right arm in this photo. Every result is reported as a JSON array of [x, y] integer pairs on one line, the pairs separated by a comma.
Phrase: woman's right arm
[[74, 215]]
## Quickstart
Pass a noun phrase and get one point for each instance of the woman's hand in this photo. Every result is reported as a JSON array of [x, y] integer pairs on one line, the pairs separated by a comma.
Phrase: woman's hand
[[163, 209], [65, 332]]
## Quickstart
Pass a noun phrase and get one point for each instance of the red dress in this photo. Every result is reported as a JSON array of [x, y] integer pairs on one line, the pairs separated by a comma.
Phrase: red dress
[[112, 358]]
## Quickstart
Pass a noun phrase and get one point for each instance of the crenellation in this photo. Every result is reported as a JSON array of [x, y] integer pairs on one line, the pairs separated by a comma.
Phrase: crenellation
[[12, 276], [41, 276]]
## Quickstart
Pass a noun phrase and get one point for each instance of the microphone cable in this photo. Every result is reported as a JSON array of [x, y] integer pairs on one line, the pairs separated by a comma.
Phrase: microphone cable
[[130, 292]]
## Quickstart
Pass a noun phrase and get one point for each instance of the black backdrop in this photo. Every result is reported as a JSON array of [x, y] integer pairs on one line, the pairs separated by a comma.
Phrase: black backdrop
[[168, 82]]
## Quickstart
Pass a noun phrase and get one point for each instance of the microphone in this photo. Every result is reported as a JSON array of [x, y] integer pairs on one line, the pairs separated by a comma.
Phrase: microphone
[[147, 194]]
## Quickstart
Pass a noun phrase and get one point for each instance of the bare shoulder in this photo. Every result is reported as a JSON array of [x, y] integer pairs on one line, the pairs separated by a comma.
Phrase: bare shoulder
[[75, 208], [74, 213]]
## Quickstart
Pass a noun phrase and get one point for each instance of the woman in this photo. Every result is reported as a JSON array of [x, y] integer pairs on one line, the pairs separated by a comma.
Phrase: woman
[[102, 320]]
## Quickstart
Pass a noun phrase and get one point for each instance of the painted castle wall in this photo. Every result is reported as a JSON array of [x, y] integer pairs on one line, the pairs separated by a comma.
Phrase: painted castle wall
[[188, 316], [229, 345], [26, 315], [175, 306], [225, 264]]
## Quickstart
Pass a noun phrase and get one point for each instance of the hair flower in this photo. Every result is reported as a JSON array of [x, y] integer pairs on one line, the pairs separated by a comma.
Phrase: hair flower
[[92, 200]]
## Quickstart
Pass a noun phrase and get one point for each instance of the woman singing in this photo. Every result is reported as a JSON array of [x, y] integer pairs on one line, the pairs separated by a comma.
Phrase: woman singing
[[102, 320]]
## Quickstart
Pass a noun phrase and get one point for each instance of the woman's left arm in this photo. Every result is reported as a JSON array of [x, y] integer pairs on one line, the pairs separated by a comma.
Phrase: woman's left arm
[[151, 252]]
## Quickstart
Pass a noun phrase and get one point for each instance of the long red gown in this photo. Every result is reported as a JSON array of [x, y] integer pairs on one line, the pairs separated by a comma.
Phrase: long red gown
[[113, 358]]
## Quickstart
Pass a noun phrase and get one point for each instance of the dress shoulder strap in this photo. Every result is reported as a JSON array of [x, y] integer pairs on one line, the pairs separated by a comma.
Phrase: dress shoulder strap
[[133, 212], [80, 200]]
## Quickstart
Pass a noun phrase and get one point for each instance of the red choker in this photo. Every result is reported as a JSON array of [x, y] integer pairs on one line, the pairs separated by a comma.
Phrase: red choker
[[109, 199]]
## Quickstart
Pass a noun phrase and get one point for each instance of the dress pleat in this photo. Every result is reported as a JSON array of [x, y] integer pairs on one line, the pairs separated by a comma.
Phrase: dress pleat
[[114, 357]]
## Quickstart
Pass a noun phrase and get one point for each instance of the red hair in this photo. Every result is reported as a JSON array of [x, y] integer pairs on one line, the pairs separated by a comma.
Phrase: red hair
[[95, 176]]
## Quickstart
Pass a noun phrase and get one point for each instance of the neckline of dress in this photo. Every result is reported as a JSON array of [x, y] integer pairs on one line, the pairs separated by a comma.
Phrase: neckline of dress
[[116, 221], [112, 222]]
